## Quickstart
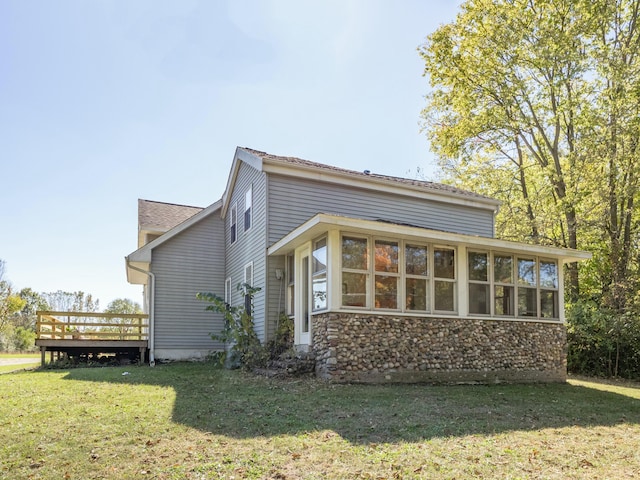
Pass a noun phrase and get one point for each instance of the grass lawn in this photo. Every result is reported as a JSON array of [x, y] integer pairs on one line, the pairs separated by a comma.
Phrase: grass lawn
[[194, 421]]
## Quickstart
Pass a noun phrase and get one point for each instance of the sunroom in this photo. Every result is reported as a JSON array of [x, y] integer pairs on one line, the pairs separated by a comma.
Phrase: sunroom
[[360, 289]]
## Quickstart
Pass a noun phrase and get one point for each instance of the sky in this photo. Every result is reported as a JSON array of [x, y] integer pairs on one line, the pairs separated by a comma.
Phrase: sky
[[103, 102]]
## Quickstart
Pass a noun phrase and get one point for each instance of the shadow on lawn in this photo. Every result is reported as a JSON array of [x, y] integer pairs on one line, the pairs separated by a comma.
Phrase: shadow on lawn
[[245, 406]]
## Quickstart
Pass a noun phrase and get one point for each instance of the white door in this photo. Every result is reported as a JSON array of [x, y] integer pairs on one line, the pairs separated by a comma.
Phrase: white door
[[302, 325]]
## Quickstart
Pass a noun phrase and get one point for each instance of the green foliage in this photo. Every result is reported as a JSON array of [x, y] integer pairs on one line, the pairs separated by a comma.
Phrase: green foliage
[[602, 342], [24, 339], [123, 305], [536, 103], [283, 338], [238, 332]]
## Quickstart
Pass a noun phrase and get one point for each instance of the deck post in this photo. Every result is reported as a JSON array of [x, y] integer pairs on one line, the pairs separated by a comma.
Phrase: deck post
[[43, 352]]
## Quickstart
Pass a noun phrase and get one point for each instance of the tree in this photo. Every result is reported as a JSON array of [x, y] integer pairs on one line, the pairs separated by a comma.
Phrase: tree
[[535, 102], [61, 301], [10, 303], [123, 305]]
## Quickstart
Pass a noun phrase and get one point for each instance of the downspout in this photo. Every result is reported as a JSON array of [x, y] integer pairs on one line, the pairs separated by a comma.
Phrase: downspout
[[152, 299]]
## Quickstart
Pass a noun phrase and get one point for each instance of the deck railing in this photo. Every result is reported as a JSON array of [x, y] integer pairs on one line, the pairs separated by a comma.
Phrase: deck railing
[[91, 326]]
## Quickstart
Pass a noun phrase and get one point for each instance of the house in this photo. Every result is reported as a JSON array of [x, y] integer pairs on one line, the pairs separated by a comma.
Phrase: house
[[386, 278]]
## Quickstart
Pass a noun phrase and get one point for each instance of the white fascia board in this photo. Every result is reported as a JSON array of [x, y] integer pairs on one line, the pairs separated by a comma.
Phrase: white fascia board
[[373, 183], [134, 276], [321, 223], [241, 155]]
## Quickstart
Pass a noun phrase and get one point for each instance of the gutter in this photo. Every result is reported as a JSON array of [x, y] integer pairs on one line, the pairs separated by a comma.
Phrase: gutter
[[152, 295]]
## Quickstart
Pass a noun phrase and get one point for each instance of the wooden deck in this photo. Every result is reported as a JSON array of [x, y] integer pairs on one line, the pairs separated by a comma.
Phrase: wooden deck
[[78, 334]]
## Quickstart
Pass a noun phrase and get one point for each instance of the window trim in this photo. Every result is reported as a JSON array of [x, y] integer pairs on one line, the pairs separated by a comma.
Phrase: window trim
[[401, 275], [248, 210], [290, 272], [486, 283], [406, 276], [366, 272], [247, 298], [227, 291], [517, 286], [454, 280], [316, 274], [233, 223]]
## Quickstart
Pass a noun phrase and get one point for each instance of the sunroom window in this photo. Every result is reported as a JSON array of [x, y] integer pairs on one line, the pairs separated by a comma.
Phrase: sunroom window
[[522, 286], [416, 277], [444, 279], [319, 275], [527, 291], [549, 289], [355, 271], [503, 295], [386, 274], [479, 285]]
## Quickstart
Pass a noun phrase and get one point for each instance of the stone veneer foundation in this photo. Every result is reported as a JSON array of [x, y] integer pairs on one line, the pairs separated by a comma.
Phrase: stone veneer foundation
[[388, 348]]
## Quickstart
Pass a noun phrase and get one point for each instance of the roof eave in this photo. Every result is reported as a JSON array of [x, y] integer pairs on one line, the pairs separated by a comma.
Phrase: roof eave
[[371, 182], [320, 223]]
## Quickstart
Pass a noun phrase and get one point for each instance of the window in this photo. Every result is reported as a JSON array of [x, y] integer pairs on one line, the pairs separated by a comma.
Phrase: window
[[291, 284], [227, 292], [233, 221], [522, 286], [387, 275], [416, 277], [248, 200], [479, 286], [503, 294], [248, 283], [444, 279], [549, 289], [319, 275], [527, 292], [355, 271]]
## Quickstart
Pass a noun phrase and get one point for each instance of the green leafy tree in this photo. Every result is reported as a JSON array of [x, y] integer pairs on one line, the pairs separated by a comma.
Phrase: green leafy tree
[[123, 305], [535, 102], [238, 332]]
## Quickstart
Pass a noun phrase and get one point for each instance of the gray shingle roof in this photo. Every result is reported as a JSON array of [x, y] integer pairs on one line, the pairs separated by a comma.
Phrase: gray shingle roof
[[160, 216], [422, 184]]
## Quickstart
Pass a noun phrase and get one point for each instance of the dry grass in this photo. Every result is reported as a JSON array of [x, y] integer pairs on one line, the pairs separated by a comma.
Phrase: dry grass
[[193, 421]]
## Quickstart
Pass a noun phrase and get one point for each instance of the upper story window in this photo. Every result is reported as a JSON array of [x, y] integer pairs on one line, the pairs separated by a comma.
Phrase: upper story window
[[233, 223], [248, 200], [319, 274], [522, 286]]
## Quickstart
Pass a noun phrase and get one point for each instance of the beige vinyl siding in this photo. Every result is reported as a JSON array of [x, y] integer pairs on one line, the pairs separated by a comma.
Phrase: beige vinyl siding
[[190, 262], [292, 201], [250, 245]]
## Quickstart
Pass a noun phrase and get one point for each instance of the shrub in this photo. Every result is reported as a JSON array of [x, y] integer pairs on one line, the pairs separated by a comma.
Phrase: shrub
[[239, 333], [602, 342]]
